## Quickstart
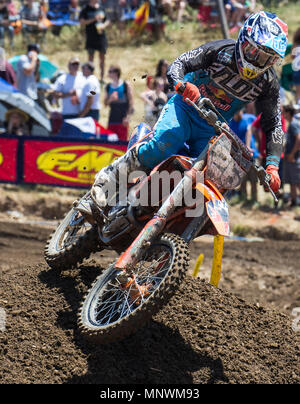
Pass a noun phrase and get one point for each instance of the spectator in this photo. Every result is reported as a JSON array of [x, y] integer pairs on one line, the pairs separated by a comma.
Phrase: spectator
[[28, 71], [90, 97], [292, 154], [154, 101], [16, 122], [179, 6], [8, 74], [93, 18], [260, 136], [161, 72], [296, 64], [74, 10], [119, 98], [238, 11], [32, 15], [5, 24], [241, 126], [68, 86]]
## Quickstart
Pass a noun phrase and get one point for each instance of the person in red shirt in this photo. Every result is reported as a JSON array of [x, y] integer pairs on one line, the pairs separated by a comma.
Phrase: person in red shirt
[[261, 136]]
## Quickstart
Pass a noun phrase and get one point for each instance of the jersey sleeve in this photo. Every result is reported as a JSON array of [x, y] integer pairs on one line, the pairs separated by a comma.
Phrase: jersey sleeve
[[268, 104], [193, 60]]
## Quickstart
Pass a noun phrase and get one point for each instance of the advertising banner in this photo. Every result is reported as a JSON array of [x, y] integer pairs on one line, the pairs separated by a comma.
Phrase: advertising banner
[[60, 162], [8, 159], [66, 163]]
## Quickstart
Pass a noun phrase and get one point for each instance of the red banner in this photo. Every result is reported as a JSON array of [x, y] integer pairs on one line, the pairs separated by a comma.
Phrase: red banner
[[66, 163], [8, 159]]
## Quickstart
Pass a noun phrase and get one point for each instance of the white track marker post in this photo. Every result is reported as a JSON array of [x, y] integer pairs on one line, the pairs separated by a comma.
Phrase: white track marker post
[[198, 264], [217, 260]]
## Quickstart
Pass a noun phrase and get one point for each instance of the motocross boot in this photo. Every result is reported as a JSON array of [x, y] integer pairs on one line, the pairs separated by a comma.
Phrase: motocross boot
[[111, 181]]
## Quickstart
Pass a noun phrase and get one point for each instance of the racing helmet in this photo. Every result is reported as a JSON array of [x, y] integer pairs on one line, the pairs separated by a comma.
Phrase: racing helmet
[[261, 43]]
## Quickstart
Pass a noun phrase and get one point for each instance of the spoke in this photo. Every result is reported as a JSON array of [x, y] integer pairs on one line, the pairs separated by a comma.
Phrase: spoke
[[116, 302]]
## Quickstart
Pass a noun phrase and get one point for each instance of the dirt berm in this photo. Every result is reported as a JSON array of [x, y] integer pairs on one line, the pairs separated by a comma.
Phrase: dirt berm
[[204, 335]]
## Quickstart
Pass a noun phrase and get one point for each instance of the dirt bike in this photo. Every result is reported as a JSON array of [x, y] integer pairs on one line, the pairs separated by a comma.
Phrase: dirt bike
[[152, 239]]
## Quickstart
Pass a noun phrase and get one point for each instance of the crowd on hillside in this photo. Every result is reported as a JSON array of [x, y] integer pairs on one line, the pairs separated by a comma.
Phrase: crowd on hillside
[[77, 94]]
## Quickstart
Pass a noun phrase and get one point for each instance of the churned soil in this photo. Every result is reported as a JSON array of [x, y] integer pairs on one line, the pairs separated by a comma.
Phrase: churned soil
[[239, 333]]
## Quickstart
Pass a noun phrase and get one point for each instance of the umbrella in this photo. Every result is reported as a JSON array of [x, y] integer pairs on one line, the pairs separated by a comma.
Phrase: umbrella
[[26, 104], [47, 69]]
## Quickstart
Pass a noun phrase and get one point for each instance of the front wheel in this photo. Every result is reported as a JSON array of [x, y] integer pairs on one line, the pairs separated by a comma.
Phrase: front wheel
[[111, 311], [72, 242]]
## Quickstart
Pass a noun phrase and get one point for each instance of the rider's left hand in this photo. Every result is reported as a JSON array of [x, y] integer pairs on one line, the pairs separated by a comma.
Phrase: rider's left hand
[[275, 179]]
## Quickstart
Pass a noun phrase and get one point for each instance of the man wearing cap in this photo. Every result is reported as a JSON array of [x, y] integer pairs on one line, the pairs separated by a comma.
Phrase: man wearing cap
[[69, 87], [90, 97], [28, 71]]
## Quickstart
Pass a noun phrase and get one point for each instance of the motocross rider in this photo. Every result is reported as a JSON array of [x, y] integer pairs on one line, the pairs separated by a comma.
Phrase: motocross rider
[[230, 73]]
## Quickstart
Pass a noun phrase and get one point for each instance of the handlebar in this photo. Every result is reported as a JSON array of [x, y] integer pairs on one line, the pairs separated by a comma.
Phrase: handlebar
[[208, 112]]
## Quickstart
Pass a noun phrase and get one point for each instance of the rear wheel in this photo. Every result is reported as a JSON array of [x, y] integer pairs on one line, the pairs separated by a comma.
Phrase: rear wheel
[[111, 311], [74, 240]]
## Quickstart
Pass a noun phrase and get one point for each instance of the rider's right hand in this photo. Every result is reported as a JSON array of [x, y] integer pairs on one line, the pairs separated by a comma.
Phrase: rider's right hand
[[190, 91]]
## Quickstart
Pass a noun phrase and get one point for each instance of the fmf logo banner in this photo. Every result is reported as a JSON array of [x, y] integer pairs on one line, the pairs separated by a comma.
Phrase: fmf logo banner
[[8, 159], [66, 163]]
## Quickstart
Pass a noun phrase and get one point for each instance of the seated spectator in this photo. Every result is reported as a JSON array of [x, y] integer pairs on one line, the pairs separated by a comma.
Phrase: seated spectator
[[8, 74], [68, 87], [32, 16], [154, 101], [16, 122], [119, 98], [28, 72], [292, 154], [90, 97], [5, 24]]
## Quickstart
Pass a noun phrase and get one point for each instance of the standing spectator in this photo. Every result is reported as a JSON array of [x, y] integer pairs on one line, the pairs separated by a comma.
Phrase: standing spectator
[[119, 98], [68, 86], [292, 154], [296, 64], [90, 97], [28, 71], [5, 24], [154, 101], [161, 72], [260, 136], [31, 15], [241, 126], [93, 18], [74, 10]]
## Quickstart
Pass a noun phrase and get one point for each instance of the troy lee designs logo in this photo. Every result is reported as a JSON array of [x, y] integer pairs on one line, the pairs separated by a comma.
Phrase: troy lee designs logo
[[233, 84]]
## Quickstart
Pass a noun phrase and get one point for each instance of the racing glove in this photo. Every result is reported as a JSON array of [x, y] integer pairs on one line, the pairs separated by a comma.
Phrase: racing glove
[[188, 90], [275, 179]]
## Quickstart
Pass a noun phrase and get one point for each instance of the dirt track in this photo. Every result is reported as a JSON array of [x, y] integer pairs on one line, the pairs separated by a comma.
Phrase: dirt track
[[240, 333]]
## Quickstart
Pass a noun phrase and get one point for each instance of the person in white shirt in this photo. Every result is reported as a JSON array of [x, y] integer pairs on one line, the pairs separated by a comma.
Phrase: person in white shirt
[[28, 72], [90, 96], [69, 87]]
